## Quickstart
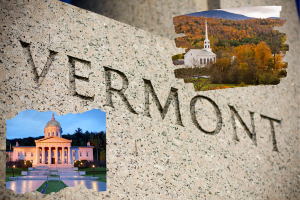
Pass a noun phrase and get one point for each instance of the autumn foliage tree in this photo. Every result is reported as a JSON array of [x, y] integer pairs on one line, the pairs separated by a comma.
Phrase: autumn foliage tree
[[262, 56]]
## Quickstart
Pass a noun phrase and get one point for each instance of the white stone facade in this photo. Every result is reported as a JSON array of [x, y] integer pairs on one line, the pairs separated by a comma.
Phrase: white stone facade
[[53, 149]]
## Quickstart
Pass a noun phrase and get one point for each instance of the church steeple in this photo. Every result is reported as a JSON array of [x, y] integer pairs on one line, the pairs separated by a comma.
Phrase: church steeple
[[206, 37], [206, 41]]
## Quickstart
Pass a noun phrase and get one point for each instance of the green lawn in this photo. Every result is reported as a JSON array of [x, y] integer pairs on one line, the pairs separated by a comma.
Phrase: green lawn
[[41, 187], [53, 186], [99, 172], [209, 86], [17, 172]]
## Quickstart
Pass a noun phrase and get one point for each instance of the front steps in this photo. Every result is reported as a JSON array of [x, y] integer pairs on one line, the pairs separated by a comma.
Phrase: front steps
[[53, 178], [44, 172]]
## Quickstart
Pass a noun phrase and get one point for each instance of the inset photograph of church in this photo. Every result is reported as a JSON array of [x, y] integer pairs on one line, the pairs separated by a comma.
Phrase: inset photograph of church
[[230, 48]]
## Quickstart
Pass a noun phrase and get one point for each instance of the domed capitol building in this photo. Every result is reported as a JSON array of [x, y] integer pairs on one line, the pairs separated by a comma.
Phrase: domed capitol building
[[53, 149]]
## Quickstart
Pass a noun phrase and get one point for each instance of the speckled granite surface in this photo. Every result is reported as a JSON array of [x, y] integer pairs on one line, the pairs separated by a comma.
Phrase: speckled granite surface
[[60, 58]]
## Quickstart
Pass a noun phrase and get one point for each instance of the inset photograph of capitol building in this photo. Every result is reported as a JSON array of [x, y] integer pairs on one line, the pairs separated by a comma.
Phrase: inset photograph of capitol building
[[230, 48], [47, 152]]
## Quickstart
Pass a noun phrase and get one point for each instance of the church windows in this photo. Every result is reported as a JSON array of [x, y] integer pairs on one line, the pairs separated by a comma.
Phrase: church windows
[[200, 60], [87, 154], [204, 61], [80, 154], [31, 154], [25, 154]]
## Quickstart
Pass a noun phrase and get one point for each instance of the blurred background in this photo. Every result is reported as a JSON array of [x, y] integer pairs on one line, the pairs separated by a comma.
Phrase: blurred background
[[156, 16]]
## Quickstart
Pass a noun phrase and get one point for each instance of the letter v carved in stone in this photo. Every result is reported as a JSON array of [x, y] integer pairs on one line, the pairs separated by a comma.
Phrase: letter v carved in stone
[[38, 79]]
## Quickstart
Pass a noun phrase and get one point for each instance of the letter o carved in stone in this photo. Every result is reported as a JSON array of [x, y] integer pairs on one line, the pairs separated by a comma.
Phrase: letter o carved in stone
[[194, 118]]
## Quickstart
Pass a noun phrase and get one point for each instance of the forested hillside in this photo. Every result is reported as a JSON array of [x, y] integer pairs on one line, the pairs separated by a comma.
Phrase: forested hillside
[[229, 33]]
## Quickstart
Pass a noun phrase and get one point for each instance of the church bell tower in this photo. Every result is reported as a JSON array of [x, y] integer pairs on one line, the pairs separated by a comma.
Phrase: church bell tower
[[206, 41]]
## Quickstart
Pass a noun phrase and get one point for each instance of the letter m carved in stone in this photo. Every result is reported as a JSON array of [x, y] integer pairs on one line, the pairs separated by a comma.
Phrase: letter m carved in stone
[[173, 96]]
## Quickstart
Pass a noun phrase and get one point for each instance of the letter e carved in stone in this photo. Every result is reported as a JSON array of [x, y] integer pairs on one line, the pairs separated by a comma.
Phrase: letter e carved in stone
[[73, 62]]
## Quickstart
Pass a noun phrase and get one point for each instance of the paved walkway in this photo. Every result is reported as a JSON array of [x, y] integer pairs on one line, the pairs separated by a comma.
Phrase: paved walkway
[[23, 186], [95, 185]]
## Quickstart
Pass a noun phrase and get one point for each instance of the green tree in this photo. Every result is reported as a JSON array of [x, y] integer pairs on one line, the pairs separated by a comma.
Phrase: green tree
[[102, 155]]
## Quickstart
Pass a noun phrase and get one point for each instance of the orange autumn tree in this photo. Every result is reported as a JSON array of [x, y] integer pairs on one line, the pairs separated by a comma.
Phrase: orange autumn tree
[[262, 55], [278, 62], [245, 53]]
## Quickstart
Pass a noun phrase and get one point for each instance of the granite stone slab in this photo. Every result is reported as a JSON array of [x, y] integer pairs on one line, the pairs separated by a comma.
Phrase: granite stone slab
[[164, 140]]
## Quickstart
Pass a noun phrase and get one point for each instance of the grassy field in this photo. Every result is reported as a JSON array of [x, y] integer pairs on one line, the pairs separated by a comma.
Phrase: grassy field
[[99, 172], [209, 86], [53, 186], [17, 172]]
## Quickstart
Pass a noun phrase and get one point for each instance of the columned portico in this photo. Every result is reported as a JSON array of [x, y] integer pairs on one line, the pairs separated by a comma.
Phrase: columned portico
[[69, 155], [56, 155], [55, 150], [43, 155], [37, 155], [49, 156]]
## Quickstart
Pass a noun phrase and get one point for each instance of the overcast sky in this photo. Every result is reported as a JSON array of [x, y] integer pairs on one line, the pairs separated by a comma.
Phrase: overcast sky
[[257, 11], [32, 123]]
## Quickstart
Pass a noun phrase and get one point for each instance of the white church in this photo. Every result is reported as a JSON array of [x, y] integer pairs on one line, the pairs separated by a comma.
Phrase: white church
[[53, 149], [200, 57]]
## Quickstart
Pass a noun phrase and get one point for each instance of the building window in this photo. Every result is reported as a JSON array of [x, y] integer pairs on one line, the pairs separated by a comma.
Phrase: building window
[[25, 154], [204, 61], [80, 154], [87, 154], [73, 153], [200, 60], [18, 153], [31, 154]]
